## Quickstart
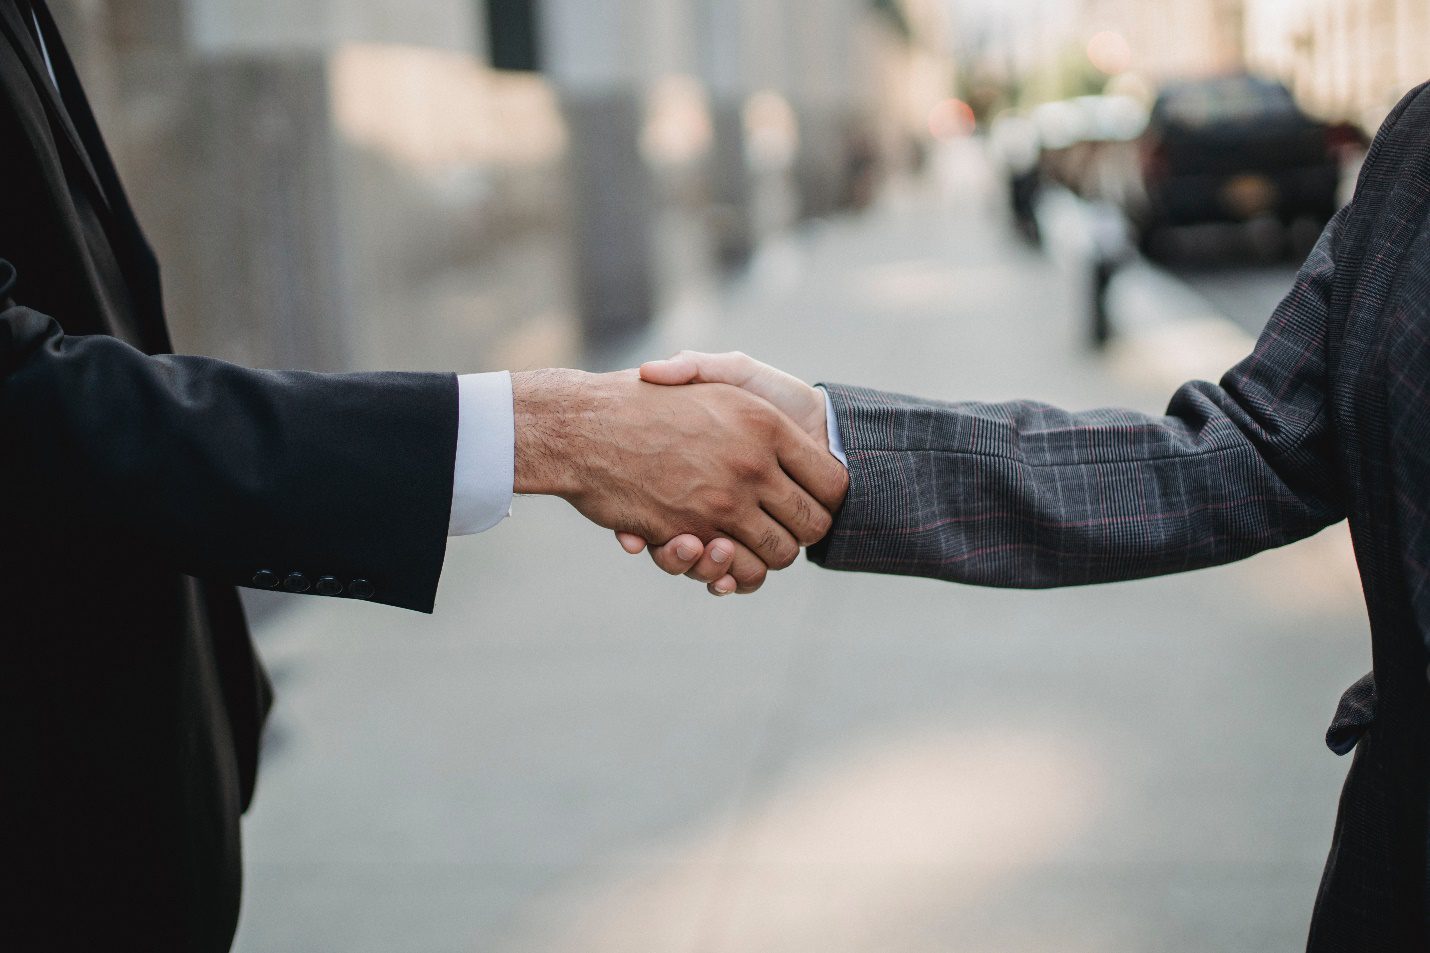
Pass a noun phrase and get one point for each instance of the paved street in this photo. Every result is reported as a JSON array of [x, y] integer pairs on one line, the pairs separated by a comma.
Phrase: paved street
[[578, 755]]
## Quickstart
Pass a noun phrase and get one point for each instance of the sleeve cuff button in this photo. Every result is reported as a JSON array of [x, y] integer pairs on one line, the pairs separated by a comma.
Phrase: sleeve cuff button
[[360, 589]]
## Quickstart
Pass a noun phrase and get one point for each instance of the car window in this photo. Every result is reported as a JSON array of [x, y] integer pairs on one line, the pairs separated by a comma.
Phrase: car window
[[1222, 102]]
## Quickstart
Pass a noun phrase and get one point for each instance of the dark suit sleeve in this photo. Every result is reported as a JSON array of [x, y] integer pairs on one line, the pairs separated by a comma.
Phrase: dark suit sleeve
[[222, 472], [1025, 495]]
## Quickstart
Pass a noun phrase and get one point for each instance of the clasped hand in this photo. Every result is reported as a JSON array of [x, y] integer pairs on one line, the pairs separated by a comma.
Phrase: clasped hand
[[717, 463]]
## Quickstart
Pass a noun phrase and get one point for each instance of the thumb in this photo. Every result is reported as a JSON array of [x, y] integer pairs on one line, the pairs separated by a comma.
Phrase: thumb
[[630, 542], [694, 367], [677, 370], [792, 396]]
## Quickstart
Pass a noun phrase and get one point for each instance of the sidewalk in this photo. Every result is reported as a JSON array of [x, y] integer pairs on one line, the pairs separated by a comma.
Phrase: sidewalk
[[579, 755]]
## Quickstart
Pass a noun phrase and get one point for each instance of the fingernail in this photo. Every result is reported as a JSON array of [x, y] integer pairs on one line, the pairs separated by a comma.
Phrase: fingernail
[[686, 551], [721, 554], [722, 593]]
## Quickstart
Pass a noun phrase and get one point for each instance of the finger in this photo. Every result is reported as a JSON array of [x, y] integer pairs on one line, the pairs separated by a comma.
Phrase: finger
[[672, 372], [696, 367], [802, 515], [715, 562], [747, 573], [797, 400], [727, 567], [726, 586], [719, 559], [813, 467], [630, 542], [775, 546], [679, 555]]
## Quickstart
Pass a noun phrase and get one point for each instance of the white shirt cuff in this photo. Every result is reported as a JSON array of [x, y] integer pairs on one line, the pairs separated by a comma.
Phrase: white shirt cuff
[[831, 422], [483, 477]]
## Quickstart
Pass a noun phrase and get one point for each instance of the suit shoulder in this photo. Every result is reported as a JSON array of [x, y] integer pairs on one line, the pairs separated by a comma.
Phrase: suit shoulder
[[1401, 149], [1408, 124]]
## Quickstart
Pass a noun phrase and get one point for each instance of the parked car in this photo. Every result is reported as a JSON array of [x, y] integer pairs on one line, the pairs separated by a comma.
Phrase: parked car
[[1232, 149]]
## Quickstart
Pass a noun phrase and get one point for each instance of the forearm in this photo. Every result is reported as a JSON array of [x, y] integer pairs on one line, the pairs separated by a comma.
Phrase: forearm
[[1028, 496], [223, 472]]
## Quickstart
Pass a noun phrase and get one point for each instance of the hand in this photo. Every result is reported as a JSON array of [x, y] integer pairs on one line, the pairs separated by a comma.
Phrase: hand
[[708, 460], [803, 404], [794, 398]]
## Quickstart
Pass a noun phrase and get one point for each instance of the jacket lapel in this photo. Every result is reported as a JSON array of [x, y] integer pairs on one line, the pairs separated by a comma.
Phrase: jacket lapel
[[18, 34]]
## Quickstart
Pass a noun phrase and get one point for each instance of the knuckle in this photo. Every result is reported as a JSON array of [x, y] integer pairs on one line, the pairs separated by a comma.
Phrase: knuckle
[[721, 504], [755, 415], [820, 523], [782, 552], [803, 512], [751, 576], [704, 573], [787, 556], [749, 466], [665, 560], [841, 485]]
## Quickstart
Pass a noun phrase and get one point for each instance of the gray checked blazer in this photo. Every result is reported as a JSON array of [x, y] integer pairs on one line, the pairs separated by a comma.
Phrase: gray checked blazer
[[1328, 419]]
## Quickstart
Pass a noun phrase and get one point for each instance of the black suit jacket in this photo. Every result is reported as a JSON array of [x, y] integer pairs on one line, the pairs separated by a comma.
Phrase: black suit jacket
[[136, 491], [1329, 418]]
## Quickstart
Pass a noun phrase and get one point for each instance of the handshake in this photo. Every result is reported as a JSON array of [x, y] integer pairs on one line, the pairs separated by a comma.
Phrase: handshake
[[718, 463]]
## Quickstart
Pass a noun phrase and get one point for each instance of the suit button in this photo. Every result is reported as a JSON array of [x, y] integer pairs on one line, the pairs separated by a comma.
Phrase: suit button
[[297, 582], [329, 586], [360, 589], [265, 579]]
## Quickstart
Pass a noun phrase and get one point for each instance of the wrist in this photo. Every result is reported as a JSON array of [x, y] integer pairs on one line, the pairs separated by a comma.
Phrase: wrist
[[550, 410]]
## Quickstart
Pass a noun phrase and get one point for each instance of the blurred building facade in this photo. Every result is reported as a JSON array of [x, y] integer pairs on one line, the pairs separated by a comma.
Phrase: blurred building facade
[[1344, 58], [483, 183], [1171, 39], [1044, 50]]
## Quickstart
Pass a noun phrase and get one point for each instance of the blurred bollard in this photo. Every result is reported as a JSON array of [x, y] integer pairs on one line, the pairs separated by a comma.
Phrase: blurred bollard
[[731, 185], [822, 164], [1111, 247], [614, 208], [591, 51]]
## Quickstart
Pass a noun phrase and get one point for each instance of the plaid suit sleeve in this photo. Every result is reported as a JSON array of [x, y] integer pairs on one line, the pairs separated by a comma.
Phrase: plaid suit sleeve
[[1025, 495], [1407, 397]]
